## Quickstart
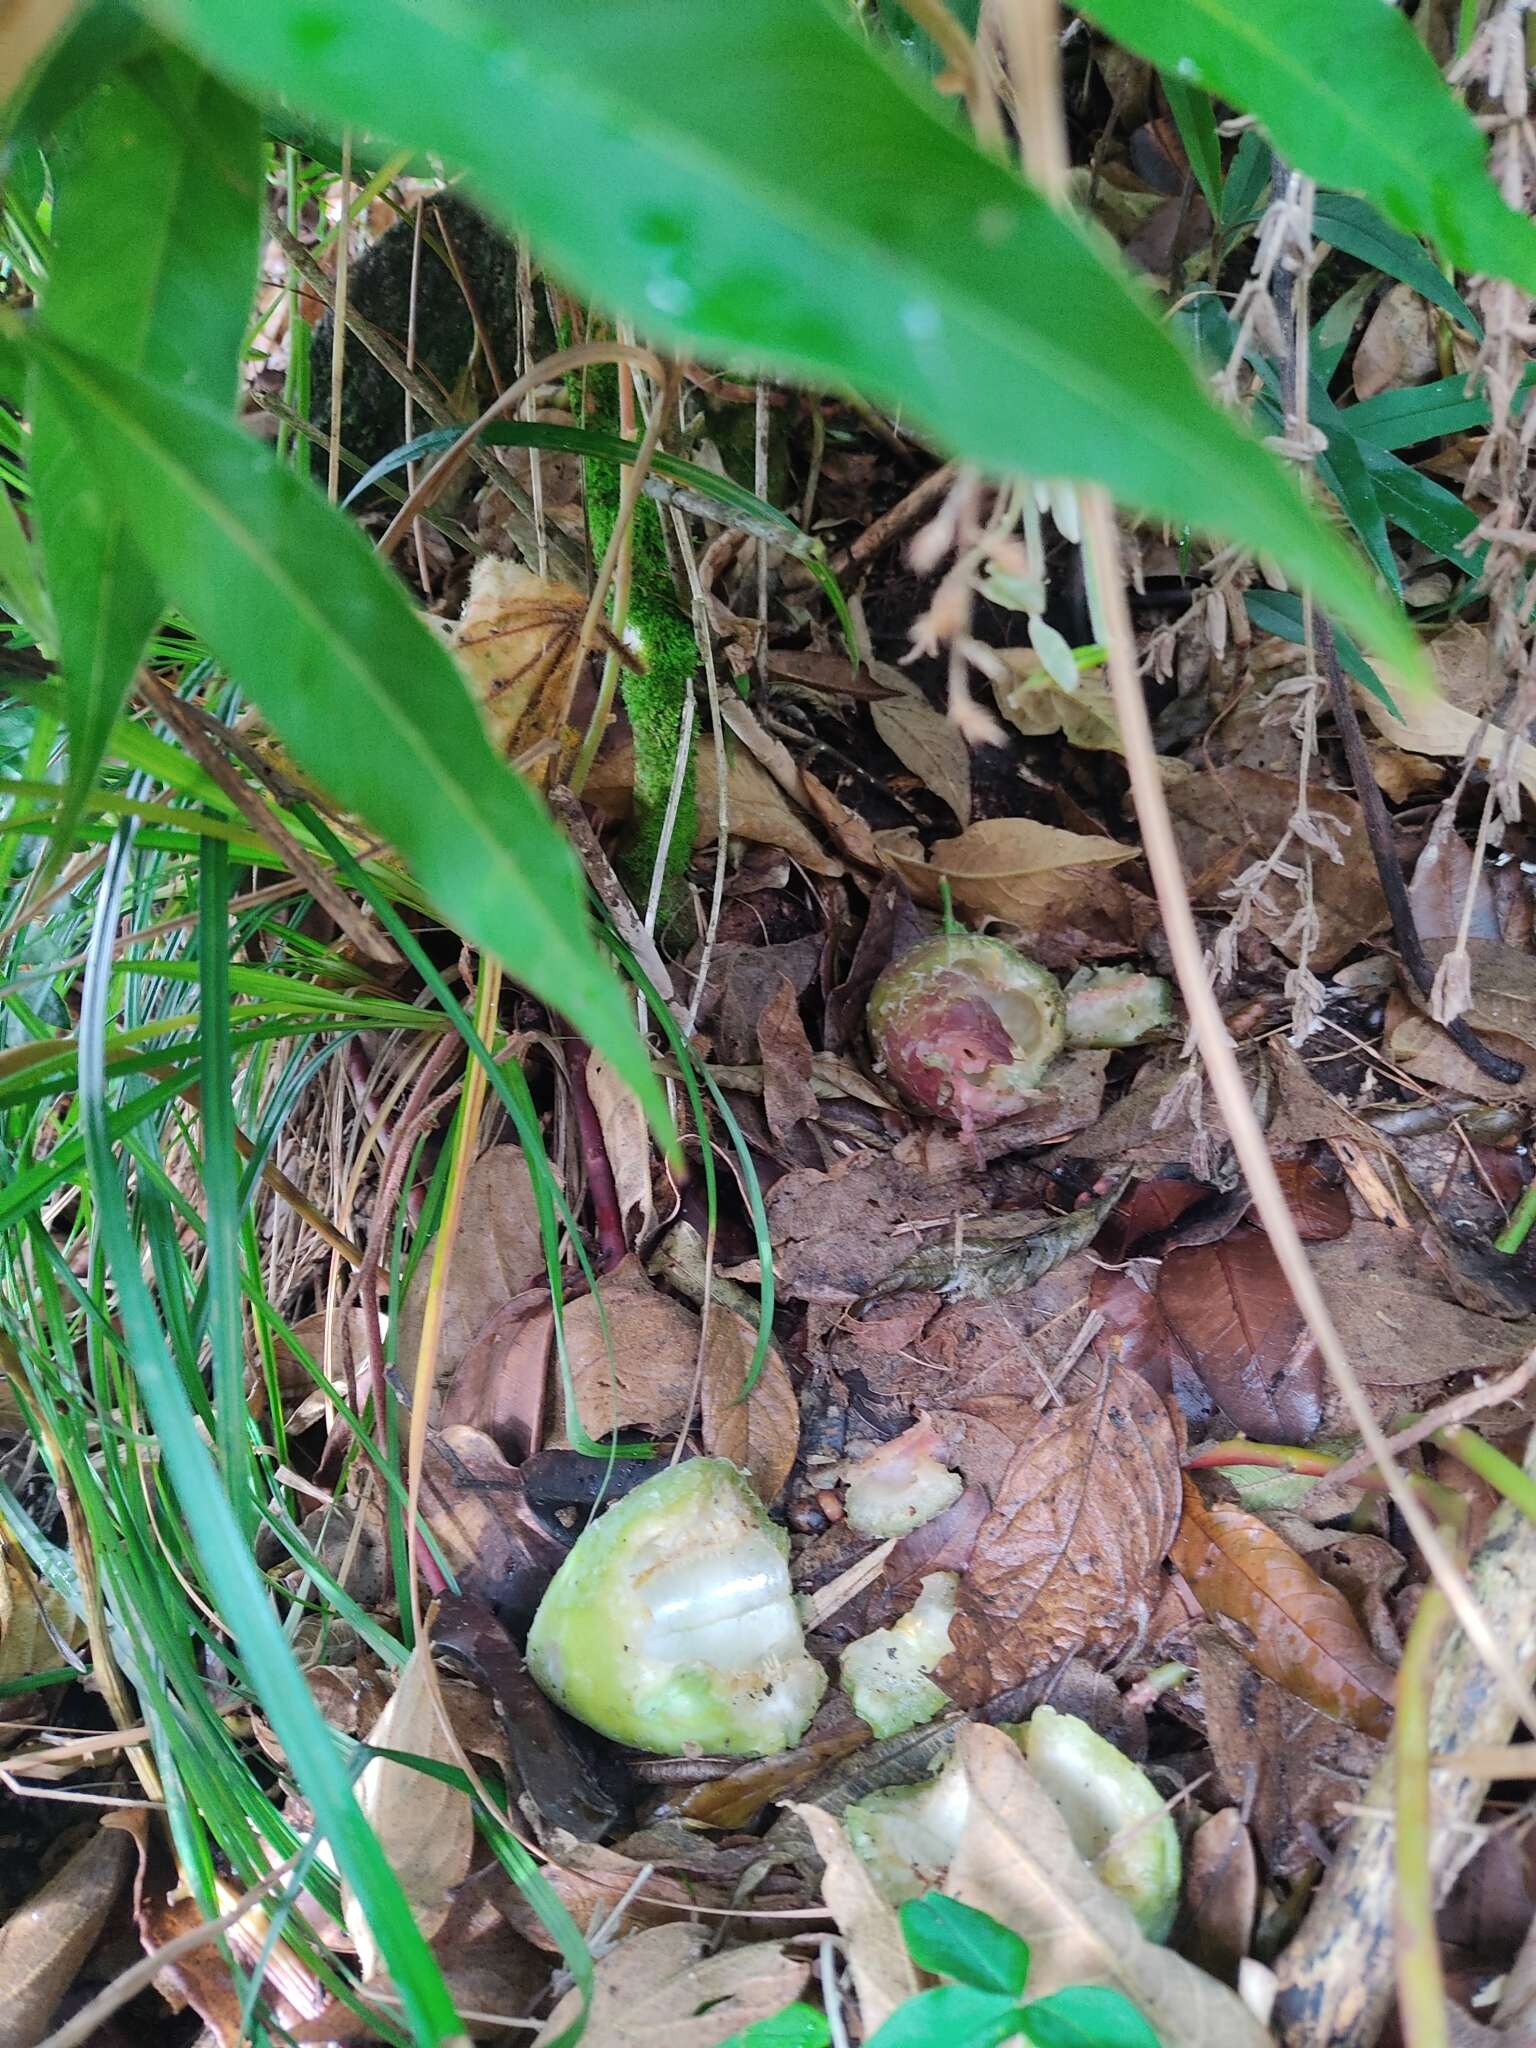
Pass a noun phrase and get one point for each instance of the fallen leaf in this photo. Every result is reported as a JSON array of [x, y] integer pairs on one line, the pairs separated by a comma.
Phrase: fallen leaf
[[1289, 1623], [1442, 875], [477, 1508], [1398, 345], [946, 1544], [1396, 1318], [892, 926], [1027, 874], [626, 1140], [1503, 989], [761, 1434], [660, 1988], [924, 741], [1068, 1558], [1135, 1334], [744, 980], [633, 1353], [757, 809], [1319, 1207], [1287, 1766], [1231, 1309], [49, 1936], [517, 642], [1035, 703], [884, 1975], [37, 1627], [833, 1233], [788, 1098], [1447, 722], [1221, 1891], [1016, 1861], [1419, 1046], [1228, 818], [425, 1828], [497, 1254]]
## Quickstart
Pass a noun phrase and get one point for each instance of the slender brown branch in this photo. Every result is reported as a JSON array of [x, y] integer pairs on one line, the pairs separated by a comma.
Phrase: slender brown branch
[[1378, 830]]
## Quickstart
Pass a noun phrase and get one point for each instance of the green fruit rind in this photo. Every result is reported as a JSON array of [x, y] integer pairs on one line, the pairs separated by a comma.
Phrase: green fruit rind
[[672, 1627], [1114, 1814], [885, 1674]]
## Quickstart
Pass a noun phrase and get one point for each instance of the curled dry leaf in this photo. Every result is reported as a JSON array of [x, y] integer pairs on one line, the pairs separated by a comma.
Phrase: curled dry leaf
[[425, 1828], [1068, 1558], [1319, 1208], [762, 1432], [1221, 1890], [1294, 1772], [626, 1140], [884, 1975], [49, 1937], [1398, 345], [923, 740], [34, 1622], [660, 1988], [757, 809], [478, 1511], [1016, 1861], [517, 643], [1231, 1309], [788, 1064], [1038, 877], [1445, 724], [1289, 1623], [1226, 819]]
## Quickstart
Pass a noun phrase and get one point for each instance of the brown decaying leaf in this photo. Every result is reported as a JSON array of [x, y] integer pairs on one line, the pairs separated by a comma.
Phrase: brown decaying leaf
[[626, 1140], [1319, 1208], [757, 809], [892, 926], [923, 740], [497, 1254], [660, 1988], [884, 1975], [762, 1432], [785, 1051], [517, 643], [1231, 1309], [1441, 876], [1016, 1861], [34, 1621], [1398, 345], [1221, 1891], [833, 1233], [50, 1935], [1067, 1559], [1445, 723], [1135, 1334], [946, 1544], [478, 1512], [744, 980], [1225, 819], [1289, 1623], [425, 1828], [1049, 883], [1287, 1767]]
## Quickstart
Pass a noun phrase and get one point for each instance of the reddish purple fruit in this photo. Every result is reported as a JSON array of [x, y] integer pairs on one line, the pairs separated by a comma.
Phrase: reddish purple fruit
[[965, 1028]]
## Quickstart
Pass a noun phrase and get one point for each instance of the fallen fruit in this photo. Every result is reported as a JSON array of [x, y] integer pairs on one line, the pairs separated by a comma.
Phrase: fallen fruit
[[671, 1626], [965, 1027], [906, 1836], [885, 1675], [1115, 1006], [902, 1484], [1114, 1814]]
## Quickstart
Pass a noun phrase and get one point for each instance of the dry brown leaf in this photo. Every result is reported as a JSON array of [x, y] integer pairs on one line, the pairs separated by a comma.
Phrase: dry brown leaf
[[1016, 1861], [1015, 869], [477, 1509], [788, 1063], [48, 1938], [1471, 682], [497, 1254], [517, 642], [1068, 1558], [884, 1975], [626, 1140], [425, 1828], [1221, 1891], [1035, 704], [833, 1233], [659, 1988], [34, 1622], [1231, 1309], [757, 809], [1289, 1623], [1398, 345], [1228, 818], [923, 740], [762, 1432], [1419, 1046], [1396, 1319], [1441, 876], [640, 1372], [1288, 1766]]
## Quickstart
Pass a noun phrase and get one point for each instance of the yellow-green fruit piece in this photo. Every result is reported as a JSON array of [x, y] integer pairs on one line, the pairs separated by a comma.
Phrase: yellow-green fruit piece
[[672, 1627], [1114, 1814]]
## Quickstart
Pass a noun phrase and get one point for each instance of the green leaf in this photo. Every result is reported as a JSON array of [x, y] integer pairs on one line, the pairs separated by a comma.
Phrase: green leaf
[[1086, 2016], [98, 38], [154, 259], [290, 598], [1359, 230], [1279, 612], [797, 2026], [1417, 412], [1332, 331], [1247, 186], [1349, 95], [883, 251], [952, 2016], [948, 1939], [1195, 119], [20, 592]]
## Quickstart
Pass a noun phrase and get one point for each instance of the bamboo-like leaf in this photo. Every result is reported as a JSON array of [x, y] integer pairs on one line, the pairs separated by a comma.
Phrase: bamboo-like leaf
[[154, 259], [290, 598], [1349, 95], [878, 248]]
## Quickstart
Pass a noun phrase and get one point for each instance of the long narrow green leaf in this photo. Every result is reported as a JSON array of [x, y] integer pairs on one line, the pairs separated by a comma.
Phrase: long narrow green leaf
[[1195, 119], [155, 236], [243, 1600], [1349, 95], [1359, 230], [291, 599], [757, 183]]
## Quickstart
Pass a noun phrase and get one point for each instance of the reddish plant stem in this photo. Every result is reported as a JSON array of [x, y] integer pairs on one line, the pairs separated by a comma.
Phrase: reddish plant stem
[[612, 1244]]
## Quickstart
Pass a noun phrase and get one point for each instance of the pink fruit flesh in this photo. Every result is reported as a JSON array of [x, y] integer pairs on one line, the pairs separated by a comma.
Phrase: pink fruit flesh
[[965, 1028]]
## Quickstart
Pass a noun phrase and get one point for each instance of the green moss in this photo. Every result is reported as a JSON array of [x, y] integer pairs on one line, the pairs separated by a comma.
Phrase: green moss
[[655, 700]]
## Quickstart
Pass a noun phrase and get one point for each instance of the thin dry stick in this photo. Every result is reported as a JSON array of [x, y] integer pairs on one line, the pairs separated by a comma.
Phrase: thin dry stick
[[418, 532], [453, 458], [1032, 46], [1420, 1979], [339, 327]]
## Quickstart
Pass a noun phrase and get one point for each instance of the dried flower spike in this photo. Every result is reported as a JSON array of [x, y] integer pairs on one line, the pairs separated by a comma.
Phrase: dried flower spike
[[671, 1626], [965, 1027]]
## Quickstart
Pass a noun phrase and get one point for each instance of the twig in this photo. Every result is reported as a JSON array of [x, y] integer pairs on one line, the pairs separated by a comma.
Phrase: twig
[[1420, 1979], [1378, 830], [903, 515]]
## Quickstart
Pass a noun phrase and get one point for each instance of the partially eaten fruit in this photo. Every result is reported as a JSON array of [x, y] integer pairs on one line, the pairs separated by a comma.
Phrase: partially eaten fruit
[[965, 1027], [902, 1484], [885, 1675], [672, 1627], [1115, 1006]]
